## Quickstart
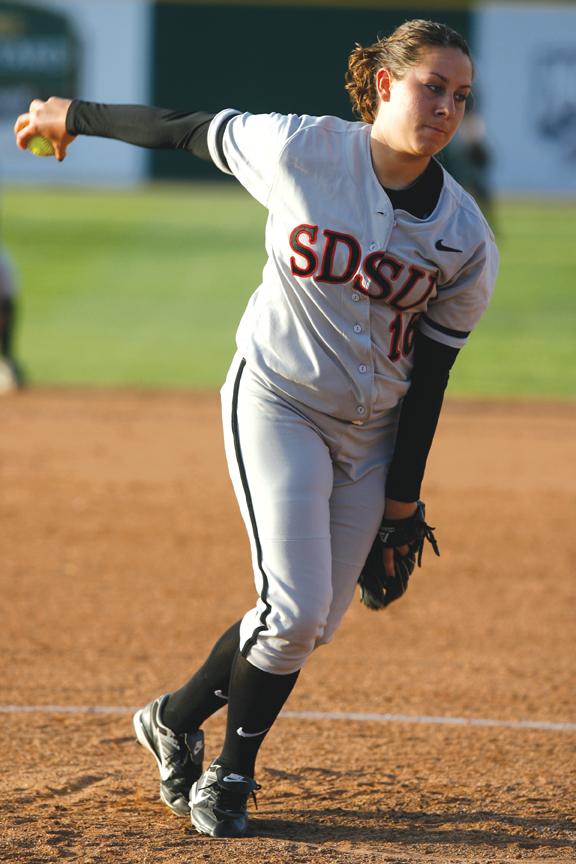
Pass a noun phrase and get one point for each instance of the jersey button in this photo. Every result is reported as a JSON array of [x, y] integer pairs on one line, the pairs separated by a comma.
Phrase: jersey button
[[357, 328], [362, 368], [355, 297], [360, 410]]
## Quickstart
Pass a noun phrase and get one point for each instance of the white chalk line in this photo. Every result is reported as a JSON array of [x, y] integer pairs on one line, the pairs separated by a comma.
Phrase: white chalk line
[[348, 716], [429, 720]]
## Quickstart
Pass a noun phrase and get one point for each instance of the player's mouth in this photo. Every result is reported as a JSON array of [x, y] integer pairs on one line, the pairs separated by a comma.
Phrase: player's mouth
[[437, 130]]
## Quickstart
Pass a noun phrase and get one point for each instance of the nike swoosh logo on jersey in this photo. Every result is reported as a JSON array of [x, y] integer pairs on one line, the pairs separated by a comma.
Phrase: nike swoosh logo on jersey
[[442, 248], [243, 734], [220, 695]]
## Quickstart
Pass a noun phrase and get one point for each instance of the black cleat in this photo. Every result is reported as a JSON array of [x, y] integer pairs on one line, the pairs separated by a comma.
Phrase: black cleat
[[179, 757], [218, 802]]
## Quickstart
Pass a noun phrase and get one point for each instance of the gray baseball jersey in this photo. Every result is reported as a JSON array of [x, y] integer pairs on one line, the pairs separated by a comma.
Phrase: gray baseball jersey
[[348, 279]]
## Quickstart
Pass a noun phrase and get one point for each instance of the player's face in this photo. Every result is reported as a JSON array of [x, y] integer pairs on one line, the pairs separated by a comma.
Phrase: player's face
[[420, 113]]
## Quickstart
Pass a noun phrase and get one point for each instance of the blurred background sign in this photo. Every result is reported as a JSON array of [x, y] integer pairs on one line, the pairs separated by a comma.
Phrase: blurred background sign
[[554, 79], [38, 56], [527, 79], [93, 49]]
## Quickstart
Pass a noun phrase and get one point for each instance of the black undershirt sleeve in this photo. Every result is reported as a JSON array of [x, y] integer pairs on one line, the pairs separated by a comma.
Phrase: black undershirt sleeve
[[157, 128], [432, 363], [419, 417]]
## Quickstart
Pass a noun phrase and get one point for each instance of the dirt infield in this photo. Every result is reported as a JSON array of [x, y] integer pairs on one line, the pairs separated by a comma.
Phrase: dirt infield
[[123, 557]]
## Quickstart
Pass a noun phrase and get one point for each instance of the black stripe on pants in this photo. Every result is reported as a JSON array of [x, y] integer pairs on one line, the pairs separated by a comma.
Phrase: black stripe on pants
[[241, 467]]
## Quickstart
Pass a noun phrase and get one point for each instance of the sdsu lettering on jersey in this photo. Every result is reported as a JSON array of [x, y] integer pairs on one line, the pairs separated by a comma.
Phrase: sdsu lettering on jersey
[[329, 272], [383, 276]]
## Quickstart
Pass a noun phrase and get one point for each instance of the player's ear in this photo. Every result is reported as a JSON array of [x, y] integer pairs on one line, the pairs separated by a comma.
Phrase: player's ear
[[383, 81]]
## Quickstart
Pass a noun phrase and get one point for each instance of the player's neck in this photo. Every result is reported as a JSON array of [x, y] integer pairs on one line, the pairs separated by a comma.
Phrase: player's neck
[[393, 169]]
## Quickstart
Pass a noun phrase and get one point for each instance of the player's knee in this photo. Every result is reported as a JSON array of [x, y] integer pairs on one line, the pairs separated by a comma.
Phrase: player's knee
[[302, 633], [334, 620], [285, 647]]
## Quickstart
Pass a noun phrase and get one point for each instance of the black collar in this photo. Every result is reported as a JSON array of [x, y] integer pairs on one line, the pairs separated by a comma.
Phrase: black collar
[[421, 197]]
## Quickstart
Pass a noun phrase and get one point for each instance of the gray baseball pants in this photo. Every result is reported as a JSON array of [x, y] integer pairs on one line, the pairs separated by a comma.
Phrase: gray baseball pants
[[311, 491]]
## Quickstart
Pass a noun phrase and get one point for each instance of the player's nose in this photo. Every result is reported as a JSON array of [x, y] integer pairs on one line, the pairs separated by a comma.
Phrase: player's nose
[[446, 106]]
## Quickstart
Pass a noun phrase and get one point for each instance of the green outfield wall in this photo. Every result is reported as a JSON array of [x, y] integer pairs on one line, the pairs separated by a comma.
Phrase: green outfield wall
[[262, 57]]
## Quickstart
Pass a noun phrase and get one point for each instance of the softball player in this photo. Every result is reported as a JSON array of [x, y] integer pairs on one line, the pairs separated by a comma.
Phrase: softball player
[[378, 267]]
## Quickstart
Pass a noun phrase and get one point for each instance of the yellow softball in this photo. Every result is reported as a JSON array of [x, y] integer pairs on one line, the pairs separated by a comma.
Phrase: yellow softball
[[40, 146]]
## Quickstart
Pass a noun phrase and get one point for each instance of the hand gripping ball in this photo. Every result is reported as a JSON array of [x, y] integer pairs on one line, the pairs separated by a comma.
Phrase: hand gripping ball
[[40, 146]]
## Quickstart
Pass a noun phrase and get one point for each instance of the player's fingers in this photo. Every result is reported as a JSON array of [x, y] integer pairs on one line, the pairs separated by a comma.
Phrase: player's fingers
[[36, 105], [24, 130], [389, 562], [21, 122], [59, 152], [27, 126], [61, 146]]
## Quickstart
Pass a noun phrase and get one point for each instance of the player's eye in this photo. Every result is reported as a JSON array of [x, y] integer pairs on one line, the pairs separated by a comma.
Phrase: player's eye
[[435, 88], [462, 97]]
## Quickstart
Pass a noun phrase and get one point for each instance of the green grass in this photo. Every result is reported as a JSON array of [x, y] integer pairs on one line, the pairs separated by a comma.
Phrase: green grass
[[525, 345], [133, 287], [146, 287]]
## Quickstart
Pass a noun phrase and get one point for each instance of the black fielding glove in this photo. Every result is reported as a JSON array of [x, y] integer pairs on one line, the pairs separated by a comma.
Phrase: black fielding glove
[[377, 589]]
